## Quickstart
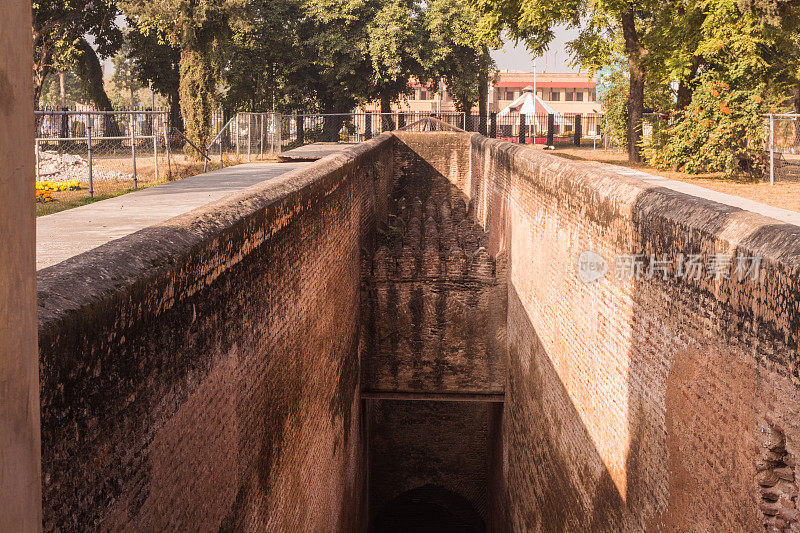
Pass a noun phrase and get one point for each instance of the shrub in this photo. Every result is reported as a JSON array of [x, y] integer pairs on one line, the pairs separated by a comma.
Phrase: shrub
[[720, 131]]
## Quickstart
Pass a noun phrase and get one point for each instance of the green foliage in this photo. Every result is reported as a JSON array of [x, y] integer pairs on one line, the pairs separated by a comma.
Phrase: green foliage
[[59, 26], [657, 99], [456, 51], [720, 131], [75, 90]]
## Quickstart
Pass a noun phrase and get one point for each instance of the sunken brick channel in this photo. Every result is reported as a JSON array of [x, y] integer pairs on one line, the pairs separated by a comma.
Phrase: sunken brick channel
[[395, 339]]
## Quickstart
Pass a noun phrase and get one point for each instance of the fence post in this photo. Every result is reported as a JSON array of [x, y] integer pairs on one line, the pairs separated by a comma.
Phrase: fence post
[[367, 125], [521, 136], [236, 123], [771, 149], [578, 129], [300, 133], [37, 157], [401, 121], [493, 125], [261, 137], [551, 128], [133, 150], [89, 151], [165, 127], [155, 145]]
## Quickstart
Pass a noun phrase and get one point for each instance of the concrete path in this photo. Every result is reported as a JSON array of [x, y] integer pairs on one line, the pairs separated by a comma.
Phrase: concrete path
[[784, 215], [68, 233], [312, 152]]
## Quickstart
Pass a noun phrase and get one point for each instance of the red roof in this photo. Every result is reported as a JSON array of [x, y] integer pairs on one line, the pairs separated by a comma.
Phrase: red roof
[[519, 84]]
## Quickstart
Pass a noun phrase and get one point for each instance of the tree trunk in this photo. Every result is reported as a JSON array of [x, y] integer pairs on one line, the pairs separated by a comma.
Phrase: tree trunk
[[796, 99], [685, 89], [483, 91], [196, 94], [636, 54], [387, 123]]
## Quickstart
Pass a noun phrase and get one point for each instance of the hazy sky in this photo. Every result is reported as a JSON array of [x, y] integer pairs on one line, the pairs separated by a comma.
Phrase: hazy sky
[[518, 57]]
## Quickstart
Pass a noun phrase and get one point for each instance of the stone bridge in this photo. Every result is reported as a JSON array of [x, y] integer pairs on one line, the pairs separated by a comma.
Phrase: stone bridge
[[400, 333]]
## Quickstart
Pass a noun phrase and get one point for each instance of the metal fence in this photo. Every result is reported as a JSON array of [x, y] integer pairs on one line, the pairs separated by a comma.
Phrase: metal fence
[[244, 137], [103, 153], [90, 148], [782, 142]]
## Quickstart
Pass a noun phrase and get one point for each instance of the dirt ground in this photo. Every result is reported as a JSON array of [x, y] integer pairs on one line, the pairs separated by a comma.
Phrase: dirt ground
[[785, 193]]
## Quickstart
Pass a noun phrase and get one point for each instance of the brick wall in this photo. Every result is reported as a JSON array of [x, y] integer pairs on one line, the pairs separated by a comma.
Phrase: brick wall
[[202, 374], [435, 299], [636, 404]]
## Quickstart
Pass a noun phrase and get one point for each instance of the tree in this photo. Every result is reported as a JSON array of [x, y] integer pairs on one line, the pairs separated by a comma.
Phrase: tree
[[607, 28], [125, 78], [263, 51], [458, 53], [156, 62], [395, 39], [199, 29], [59, 34]]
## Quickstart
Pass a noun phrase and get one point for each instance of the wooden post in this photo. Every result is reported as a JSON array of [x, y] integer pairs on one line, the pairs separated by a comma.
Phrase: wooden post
[[551, 128], [20, 458], [521, 136]]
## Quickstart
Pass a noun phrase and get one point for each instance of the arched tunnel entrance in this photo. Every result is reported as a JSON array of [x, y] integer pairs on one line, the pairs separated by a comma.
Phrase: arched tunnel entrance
[[429, 509], [431, 465]]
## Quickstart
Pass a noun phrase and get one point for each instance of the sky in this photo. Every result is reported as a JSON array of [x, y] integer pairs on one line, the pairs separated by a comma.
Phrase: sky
[[518, 58]]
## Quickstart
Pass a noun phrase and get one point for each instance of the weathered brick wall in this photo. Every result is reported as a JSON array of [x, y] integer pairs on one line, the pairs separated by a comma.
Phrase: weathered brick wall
[[420, 443], [202, 374], [636, 404], [435, 313]]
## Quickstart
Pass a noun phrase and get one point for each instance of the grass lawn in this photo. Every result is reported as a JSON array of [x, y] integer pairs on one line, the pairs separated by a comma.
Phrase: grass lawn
[[784, 194]]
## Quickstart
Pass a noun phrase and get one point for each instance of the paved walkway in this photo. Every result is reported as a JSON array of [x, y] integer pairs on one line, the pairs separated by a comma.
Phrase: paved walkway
[[784, 215], [68, 233], [312, 152]]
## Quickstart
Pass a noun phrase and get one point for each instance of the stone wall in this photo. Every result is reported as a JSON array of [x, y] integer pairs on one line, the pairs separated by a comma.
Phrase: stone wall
[[202, 374], [640, 404]]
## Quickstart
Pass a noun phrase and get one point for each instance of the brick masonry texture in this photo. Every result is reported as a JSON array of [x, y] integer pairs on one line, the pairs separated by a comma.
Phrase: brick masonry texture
[[639, 405], [204, 374], [435, 319]]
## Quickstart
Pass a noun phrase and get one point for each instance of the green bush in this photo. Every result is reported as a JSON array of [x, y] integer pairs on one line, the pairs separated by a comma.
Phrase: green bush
[[722, 130]]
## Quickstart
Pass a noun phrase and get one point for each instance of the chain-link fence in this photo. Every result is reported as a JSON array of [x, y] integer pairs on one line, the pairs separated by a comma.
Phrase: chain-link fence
[[81, 155], [782, 142], [244, 137]]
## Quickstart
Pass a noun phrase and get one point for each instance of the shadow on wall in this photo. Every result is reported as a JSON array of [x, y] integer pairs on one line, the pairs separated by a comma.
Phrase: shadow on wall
[[648, 404]]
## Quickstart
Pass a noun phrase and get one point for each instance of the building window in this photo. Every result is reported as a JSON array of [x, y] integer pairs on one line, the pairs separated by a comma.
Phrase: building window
[[569, 95], [509, 95], [555, 96], [423, 94], [592, 96], [579, 96]]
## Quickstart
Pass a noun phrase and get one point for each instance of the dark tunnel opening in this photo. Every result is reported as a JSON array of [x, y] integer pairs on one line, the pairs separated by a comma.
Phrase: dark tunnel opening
[[429, 509]]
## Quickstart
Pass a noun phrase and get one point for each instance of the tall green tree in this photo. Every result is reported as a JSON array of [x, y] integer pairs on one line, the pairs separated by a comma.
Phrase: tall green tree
[[199, 29], [458, 53], [60, 29], [156, 63]]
